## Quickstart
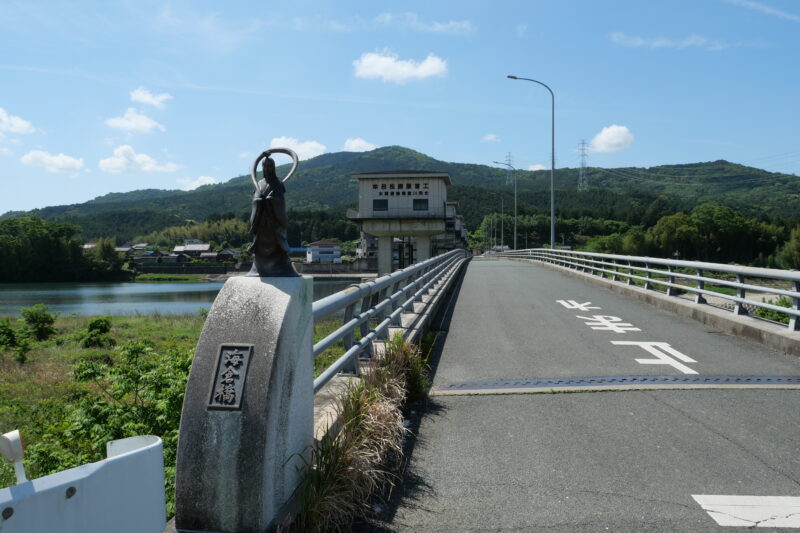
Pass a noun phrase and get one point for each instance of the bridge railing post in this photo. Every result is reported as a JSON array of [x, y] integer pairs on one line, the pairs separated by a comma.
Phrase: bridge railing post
[[647, 285], [671, 291], [794, 323], [701, 285], [739, 308]]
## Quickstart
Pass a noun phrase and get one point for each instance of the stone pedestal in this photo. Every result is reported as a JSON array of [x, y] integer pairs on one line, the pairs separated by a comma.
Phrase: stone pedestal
[[247, 417]]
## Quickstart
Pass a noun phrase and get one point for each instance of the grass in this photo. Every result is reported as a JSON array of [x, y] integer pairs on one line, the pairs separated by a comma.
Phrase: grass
[[321, 330], [775, 316], [170, 278], [348, 467]]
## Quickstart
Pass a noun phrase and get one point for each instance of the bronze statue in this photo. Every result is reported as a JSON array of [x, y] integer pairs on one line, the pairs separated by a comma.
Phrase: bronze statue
[[268, 221]]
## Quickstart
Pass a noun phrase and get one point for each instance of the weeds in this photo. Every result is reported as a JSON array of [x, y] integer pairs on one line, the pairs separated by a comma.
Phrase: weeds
[[775, 316], [349, 466]]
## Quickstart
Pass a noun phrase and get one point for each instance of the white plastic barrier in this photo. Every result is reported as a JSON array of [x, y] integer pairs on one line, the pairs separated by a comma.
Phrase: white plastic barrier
[[123, 493]]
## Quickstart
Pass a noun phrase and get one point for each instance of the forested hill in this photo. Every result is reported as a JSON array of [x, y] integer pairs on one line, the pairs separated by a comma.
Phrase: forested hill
[[325, 182]]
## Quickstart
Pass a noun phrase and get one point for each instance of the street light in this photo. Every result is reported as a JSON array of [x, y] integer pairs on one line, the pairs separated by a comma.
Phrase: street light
[[514, 176], [552, 160]]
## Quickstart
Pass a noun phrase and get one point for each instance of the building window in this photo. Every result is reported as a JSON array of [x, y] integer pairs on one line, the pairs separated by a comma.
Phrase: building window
[[424, 185], [383, 185], [416, 185], [399, 185], [391, 185], [380, 205], [374, 185], [408, 185], [420, 204]]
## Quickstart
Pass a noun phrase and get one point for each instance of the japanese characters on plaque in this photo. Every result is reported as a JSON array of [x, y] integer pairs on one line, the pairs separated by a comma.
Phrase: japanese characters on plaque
[[228, 386]]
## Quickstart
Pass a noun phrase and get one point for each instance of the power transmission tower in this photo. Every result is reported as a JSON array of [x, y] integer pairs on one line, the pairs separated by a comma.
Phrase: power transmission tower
[[583, 181]]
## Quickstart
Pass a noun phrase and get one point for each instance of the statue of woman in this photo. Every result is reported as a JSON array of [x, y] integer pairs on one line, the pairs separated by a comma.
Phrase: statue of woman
[[268, 221]]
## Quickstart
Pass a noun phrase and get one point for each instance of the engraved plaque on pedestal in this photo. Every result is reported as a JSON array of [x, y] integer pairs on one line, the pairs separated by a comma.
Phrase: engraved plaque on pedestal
[[228, 386]]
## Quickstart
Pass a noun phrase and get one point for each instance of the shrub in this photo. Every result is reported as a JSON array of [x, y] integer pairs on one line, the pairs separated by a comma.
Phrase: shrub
[[96, 334], [8, 337], [776, 316], [39, 321]]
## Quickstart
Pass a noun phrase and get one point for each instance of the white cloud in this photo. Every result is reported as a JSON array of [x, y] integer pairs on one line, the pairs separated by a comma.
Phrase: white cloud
[[304, 150], [692, 41], [188, 184], [491, 138], [388, 67], [358, 145], [125, 159], [133, 121], [4, 151], [245, 155], [521, 30], [769, 10], [413, 22], [536, 167], [146, 97], [52, 163], [611, 139], [14, 124]]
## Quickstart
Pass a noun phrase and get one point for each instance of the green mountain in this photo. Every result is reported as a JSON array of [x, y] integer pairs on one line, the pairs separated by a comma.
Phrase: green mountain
[[631, 194]]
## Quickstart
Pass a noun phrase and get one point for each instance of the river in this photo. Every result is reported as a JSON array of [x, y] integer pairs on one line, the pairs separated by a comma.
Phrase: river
[[113, 298]]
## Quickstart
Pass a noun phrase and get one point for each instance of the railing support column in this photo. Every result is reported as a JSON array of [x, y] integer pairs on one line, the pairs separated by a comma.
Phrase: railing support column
[[739, 309], [630, 275], [647, 285], [671, 291], [794, 323], [698, 297]]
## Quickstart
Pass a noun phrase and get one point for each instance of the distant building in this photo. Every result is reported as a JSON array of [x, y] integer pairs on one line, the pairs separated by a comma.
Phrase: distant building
[[192, 248], [323, 252], [409, 204]]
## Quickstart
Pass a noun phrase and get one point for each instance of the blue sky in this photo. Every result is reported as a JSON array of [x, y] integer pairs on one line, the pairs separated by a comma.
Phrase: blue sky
[[106, 96]]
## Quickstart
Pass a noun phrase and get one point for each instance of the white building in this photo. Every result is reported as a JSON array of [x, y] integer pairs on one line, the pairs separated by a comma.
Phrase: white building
[[401, 203], [323, 252]]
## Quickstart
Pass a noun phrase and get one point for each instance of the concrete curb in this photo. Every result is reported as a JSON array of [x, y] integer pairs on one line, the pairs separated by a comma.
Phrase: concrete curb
[[761, 331]]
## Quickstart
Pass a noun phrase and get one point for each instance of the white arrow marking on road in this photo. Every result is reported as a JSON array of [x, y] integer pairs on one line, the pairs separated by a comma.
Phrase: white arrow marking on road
[[751, 511], [608, 323], [572, 304], [662, 351]]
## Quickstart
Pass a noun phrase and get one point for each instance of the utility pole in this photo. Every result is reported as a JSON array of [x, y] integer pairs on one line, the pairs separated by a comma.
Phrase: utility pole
[[502, 222], [583, 181]]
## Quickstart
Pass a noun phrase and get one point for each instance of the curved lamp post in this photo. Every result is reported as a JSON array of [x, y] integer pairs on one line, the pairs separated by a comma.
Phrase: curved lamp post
[[552, 160], [514, 175]]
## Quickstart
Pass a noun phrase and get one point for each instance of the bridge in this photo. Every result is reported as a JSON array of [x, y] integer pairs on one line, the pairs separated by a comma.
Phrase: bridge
[[571, 392]]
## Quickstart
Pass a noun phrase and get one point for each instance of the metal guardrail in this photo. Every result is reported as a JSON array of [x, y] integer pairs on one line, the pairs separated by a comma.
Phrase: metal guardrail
[[382, 300], [644, 269], [123, 493]]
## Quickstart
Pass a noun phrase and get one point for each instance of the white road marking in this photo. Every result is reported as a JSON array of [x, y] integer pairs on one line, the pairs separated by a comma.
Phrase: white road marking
[[608, 323], [662, 351], [751, 511], [572, 304]]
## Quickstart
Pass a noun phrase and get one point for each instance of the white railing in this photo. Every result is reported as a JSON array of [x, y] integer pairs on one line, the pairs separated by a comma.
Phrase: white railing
[[693, 273], [381, 302], [123, 493]]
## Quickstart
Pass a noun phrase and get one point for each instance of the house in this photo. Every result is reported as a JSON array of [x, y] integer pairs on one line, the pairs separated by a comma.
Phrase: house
[[323, 252], [229, 255], [192, 248]]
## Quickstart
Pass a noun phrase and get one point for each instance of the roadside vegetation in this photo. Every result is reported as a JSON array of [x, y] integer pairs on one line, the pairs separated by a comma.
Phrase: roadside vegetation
[[72, 383], [353, 463], [170, 278]]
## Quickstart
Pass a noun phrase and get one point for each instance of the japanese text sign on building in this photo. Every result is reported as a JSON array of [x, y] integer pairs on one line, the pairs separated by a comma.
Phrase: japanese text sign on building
[[228, 386]]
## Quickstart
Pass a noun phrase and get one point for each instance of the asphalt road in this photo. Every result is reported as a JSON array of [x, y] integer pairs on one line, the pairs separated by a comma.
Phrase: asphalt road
[[632, 460]]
